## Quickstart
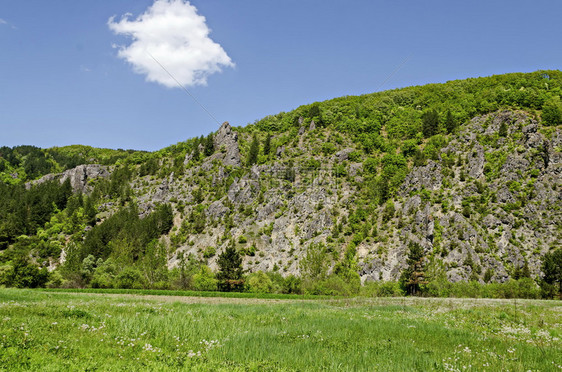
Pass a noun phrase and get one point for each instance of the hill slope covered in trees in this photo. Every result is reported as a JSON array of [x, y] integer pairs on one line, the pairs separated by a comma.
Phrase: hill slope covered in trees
[[455, 182]]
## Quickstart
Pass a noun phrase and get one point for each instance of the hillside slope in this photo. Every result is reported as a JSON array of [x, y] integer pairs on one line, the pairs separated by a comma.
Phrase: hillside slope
[[468, 170]]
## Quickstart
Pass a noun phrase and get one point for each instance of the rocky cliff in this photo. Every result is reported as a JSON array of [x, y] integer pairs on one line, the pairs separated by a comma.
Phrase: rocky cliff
[[484, 206]]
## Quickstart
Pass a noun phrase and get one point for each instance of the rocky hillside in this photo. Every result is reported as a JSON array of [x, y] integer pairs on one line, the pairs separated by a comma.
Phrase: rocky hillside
[[487, 204], [469, 170]]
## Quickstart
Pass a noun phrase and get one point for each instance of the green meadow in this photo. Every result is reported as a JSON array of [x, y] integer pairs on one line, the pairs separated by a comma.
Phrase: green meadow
[[55, 331]]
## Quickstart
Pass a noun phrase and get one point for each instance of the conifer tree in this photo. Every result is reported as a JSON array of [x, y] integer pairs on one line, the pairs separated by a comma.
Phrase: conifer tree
[[450, 122], [267, 145], [503, 129], [209, 145], [230, 274], [413, 276], [196, 151], [254, 150], [430, 123]]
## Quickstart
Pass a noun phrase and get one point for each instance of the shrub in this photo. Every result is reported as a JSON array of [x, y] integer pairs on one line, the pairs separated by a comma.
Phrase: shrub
[[334, 285], [259, 282], [130, 278], [209, 252], [552, 111], [204, 280], [23, 274], [381, 289], [292, 284]]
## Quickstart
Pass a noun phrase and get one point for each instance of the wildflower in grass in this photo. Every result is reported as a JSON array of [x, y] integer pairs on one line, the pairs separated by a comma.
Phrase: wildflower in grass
[[150, 348]]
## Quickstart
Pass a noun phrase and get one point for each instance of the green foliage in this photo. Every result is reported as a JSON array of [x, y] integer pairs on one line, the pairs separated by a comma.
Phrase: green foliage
[[125, 236], [502, 132], [253, 152], [450, 122], [394, 170], [430, 123], [552, 111], [230, 270], [259, 282], [413, 276], [209, 252], [522, 288], [23, 211], [209, 145], [24, 274], [204, 280], [371, 165], [433, 146], [381, 289], [552, 269], [314, 264], [267, 145], [130, 277]]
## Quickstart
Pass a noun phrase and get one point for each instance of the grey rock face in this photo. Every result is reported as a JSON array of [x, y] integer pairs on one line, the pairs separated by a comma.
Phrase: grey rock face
[[226, 143], [217, 210], [79, 176], [242, 191], [312, 125], [343, 154], [476, 161], [428, 177]]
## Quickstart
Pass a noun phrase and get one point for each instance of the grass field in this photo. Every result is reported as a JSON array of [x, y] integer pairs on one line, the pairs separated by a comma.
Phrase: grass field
[[52, 331]]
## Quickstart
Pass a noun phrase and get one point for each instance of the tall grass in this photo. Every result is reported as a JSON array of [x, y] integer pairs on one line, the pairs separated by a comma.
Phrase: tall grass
[[68, 331]]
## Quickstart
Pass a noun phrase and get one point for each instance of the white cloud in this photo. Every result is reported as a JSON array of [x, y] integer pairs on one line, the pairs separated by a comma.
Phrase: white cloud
[[4, 22], [177, 37]]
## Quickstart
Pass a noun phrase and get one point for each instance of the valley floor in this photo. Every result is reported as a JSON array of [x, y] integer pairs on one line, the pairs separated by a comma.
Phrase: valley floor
[[67, 331]]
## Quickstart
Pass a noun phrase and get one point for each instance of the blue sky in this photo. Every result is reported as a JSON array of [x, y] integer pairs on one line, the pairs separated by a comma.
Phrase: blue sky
[[63, 80]]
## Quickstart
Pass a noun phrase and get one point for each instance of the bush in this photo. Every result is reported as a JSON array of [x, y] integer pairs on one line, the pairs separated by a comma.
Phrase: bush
[[259, 282], [130, 278], [292, 284], [522, 288], [104, 275], [23, 274], [209, 252], [552, 111], [334, 285], [204, 280], [381, 289]]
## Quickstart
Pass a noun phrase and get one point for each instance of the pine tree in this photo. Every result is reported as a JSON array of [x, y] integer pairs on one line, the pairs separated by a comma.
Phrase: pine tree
[[209, 145], [196, 153], [450, 122], [230, 274], [254, 151], [267, 145], [413, 276], [90, 212], [552, 269], [502, 132], [430, 123]]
